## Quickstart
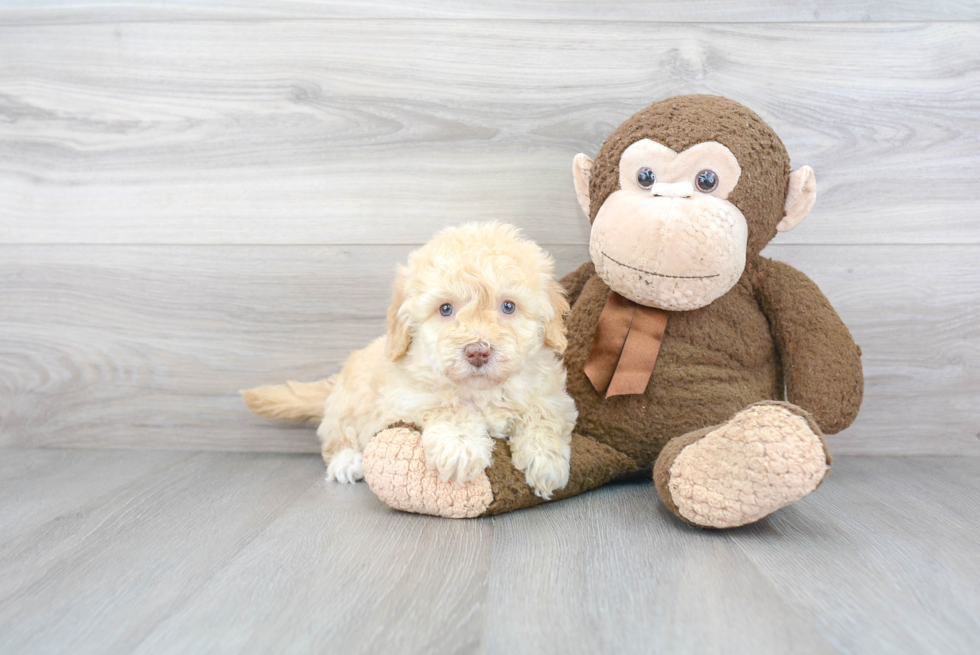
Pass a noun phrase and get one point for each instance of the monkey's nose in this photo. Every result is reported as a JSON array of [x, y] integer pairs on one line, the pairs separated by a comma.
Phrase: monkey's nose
[[672, 190], [478, 354]]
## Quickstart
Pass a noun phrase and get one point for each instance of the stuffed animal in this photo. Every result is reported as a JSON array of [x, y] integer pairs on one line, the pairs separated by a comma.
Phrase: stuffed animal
[[689, 354]]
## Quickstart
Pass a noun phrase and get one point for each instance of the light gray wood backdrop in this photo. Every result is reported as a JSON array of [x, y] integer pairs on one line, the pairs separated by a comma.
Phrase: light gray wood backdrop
[[201, 197]]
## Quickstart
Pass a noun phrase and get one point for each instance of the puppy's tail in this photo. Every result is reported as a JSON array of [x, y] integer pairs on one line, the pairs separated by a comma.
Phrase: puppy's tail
[[293, 401]]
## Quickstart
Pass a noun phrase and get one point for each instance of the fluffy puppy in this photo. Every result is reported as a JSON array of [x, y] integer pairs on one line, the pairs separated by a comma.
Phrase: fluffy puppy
[[472, 353]]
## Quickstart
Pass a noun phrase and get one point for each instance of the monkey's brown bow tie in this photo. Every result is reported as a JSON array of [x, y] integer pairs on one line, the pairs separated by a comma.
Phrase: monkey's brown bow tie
[[625, 347]]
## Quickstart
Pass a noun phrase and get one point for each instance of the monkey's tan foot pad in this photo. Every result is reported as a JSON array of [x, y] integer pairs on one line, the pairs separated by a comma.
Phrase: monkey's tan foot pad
[[394, 468], [766, 457]]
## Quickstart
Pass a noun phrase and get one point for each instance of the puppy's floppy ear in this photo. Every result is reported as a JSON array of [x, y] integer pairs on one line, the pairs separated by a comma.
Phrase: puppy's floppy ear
[[398, 338], [554, 328]]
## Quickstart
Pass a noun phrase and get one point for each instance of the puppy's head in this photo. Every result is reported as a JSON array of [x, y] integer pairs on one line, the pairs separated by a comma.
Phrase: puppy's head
[[475, 303]]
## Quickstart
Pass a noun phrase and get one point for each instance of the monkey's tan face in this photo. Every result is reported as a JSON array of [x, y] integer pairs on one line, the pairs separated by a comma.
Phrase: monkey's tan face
[[668, 237]]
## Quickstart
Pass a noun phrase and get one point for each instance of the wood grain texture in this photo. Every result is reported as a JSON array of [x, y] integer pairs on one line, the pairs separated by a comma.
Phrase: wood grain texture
[[230, 552], [915, 536], [26, 12], [382, 131], [141, 552], [618, 574], [38, 485], [351, 574], [140, 346]]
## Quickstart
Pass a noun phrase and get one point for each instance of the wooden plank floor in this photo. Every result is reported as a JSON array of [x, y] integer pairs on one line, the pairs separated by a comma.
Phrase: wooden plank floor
[[156, 552]]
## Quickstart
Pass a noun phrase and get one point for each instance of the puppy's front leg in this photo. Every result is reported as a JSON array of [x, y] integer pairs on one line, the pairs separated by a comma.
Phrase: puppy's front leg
[[457, 446], [541, 447]]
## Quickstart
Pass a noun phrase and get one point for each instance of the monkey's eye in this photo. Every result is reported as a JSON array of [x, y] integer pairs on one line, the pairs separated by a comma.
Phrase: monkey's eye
[[446, 310], [707, 181], [508, 307], [645, 178]]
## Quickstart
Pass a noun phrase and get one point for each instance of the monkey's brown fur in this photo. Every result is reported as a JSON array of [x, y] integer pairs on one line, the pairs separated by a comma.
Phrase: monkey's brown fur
[[773, 328]]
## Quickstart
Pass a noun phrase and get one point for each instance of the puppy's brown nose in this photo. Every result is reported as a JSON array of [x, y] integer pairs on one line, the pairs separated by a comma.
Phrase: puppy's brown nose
[[478, 354]]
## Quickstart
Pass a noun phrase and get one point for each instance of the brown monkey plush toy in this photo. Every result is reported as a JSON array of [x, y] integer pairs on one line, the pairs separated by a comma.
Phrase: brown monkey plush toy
[[684, 344]]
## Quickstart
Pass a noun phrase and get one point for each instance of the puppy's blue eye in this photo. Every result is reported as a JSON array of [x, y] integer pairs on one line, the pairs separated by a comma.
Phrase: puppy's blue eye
[[508, 307], [446, 310], [645, 178]]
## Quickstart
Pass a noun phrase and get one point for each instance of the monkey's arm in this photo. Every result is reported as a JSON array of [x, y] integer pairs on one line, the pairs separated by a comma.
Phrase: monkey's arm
[[821, 362], [575, 281]]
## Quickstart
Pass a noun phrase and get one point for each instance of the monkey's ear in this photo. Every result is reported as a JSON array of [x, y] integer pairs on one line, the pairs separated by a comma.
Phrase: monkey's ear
[[582, 172], [800, 196], [554, 329], [397, 338]]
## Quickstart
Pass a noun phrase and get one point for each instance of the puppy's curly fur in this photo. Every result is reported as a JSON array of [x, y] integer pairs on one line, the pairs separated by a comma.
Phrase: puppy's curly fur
[[472, 352]]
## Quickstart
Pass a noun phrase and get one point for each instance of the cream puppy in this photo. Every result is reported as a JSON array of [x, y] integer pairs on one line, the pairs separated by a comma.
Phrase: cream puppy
[[471, 354]]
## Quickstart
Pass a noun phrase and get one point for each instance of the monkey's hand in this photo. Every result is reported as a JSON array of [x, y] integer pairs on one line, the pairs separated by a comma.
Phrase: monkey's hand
[[821, 362]]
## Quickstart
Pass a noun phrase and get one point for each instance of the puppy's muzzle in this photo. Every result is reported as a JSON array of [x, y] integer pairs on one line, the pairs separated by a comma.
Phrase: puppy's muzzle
[[478, 354]]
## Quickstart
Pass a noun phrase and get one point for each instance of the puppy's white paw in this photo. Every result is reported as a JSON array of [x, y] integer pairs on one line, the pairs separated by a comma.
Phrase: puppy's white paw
[[345, 466], [457, 452], [545, 468]]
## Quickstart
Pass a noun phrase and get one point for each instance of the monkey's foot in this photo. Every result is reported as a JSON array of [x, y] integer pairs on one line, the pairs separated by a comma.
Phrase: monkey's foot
[[395, 469], [767, 456]]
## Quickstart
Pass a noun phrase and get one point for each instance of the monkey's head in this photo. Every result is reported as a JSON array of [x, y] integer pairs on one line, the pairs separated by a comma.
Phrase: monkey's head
[[682, 194]]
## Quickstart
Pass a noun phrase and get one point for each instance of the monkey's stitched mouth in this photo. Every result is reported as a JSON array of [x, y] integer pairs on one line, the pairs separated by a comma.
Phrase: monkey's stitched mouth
[[673, 277]]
